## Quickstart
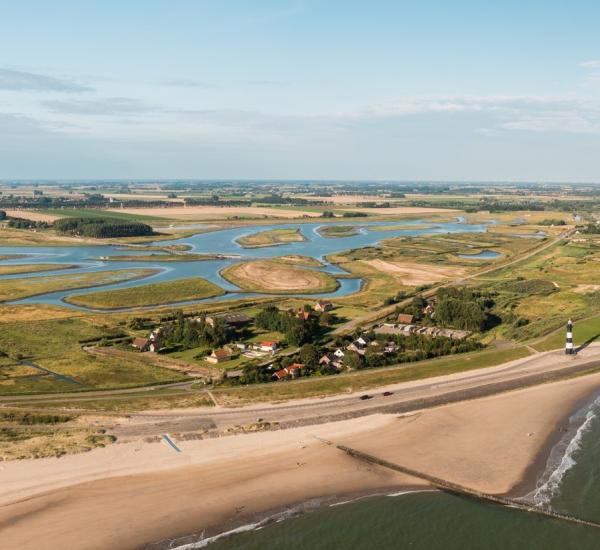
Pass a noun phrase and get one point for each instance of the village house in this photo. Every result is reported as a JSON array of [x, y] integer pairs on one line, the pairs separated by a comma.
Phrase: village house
[[219, 356], [292, 371], [429, 309], [267, 346], [330, 360], [339, 353], [359, 345], [405, 318], [141, 343], [322, 306]]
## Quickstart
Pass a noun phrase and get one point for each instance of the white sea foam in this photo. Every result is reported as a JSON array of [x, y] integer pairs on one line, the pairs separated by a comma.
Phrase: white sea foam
[[545, 492], [275, 518]]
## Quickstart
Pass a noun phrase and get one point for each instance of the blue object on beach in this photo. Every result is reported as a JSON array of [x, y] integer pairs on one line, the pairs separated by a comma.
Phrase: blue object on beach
[[170, 442]]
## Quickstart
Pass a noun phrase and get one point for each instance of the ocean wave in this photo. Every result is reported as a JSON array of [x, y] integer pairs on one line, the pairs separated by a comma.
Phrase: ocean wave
[[275, 518], [550, 487]]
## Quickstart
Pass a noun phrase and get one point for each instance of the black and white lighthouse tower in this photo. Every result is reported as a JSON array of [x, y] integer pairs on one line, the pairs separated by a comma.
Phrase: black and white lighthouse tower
[[569, 344]]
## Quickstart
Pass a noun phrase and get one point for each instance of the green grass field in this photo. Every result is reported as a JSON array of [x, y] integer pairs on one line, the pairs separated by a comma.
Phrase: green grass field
[[179, 290], [583, 331], [14, 289], [56, 345]]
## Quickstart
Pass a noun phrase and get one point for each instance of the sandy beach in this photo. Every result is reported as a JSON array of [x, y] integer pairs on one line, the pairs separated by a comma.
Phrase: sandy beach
[[140, 493]]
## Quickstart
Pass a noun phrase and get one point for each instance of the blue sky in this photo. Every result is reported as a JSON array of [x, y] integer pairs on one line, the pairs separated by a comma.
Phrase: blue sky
[[300, 89]]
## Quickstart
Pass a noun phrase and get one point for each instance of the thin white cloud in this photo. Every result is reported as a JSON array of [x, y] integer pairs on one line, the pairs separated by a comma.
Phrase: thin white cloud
[[99, 107], [590, 64], [21, 81]]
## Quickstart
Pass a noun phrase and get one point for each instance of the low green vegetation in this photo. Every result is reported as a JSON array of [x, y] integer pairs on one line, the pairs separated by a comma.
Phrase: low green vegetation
[[15, 289], [101, 228], [179, 290], [336, 231], [56, 345], [271, 237], [15, 269]]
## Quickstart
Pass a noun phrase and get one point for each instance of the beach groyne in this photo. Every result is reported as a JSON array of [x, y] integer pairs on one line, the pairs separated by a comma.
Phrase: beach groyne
[[456, 488]]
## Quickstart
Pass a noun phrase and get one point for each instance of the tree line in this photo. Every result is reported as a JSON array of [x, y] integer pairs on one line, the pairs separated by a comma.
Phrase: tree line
[[101, 228]]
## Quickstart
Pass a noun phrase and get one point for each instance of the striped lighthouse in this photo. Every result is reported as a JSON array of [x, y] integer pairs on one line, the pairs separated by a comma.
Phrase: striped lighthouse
[[569, 344]]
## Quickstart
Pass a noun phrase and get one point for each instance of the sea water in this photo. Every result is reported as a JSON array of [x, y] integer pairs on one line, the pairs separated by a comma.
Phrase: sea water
[[441, 521]]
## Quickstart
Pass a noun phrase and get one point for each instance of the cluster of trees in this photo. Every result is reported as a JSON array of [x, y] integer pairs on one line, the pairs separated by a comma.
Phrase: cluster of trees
[[297, 331], [102, 228], [20, 223], [590, 229], [551, 221], [410, 348], [464, 309], [192, 333], [354, 215], [215, 200]]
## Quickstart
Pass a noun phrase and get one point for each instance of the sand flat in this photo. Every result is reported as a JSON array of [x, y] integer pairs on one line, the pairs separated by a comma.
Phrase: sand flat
[[139, 492], [414, 273]]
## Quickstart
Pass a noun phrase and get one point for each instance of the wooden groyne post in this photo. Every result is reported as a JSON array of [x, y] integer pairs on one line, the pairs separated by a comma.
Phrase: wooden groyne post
[[458, 489]]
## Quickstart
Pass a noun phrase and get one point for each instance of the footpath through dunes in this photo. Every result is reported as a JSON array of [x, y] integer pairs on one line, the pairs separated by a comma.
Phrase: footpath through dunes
[[274, 277], [139, 493], [167, 292]]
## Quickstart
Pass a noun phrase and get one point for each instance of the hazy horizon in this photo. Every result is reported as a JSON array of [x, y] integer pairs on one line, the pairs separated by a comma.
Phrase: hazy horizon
[[300, 90]]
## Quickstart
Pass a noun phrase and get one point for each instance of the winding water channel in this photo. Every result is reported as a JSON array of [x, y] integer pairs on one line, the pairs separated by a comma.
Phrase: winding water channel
[[215, 242]]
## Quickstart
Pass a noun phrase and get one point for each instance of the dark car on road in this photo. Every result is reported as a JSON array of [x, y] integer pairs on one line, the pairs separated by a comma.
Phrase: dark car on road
[[364, 397], [387, 393]]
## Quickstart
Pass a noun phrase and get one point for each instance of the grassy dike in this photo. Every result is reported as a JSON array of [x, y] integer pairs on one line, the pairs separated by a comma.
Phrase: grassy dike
[[368, 378], [179, 290]]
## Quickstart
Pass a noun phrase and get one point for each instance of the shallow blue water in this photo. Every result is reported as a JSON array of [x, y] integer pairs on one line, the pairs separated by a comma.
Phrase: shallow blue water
[[483, 255], [216, 242]]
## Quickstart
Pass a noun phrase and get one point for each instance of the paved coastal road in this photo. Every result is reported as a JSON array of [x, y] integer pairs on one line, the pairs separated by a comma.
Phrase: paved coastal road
[[406, 397]]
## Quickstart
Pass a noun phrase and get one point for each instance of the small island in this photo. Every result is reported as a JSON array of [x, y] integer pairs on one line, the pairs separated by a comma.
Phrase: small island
[[337, 231], [273, 277], [271, 237]]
